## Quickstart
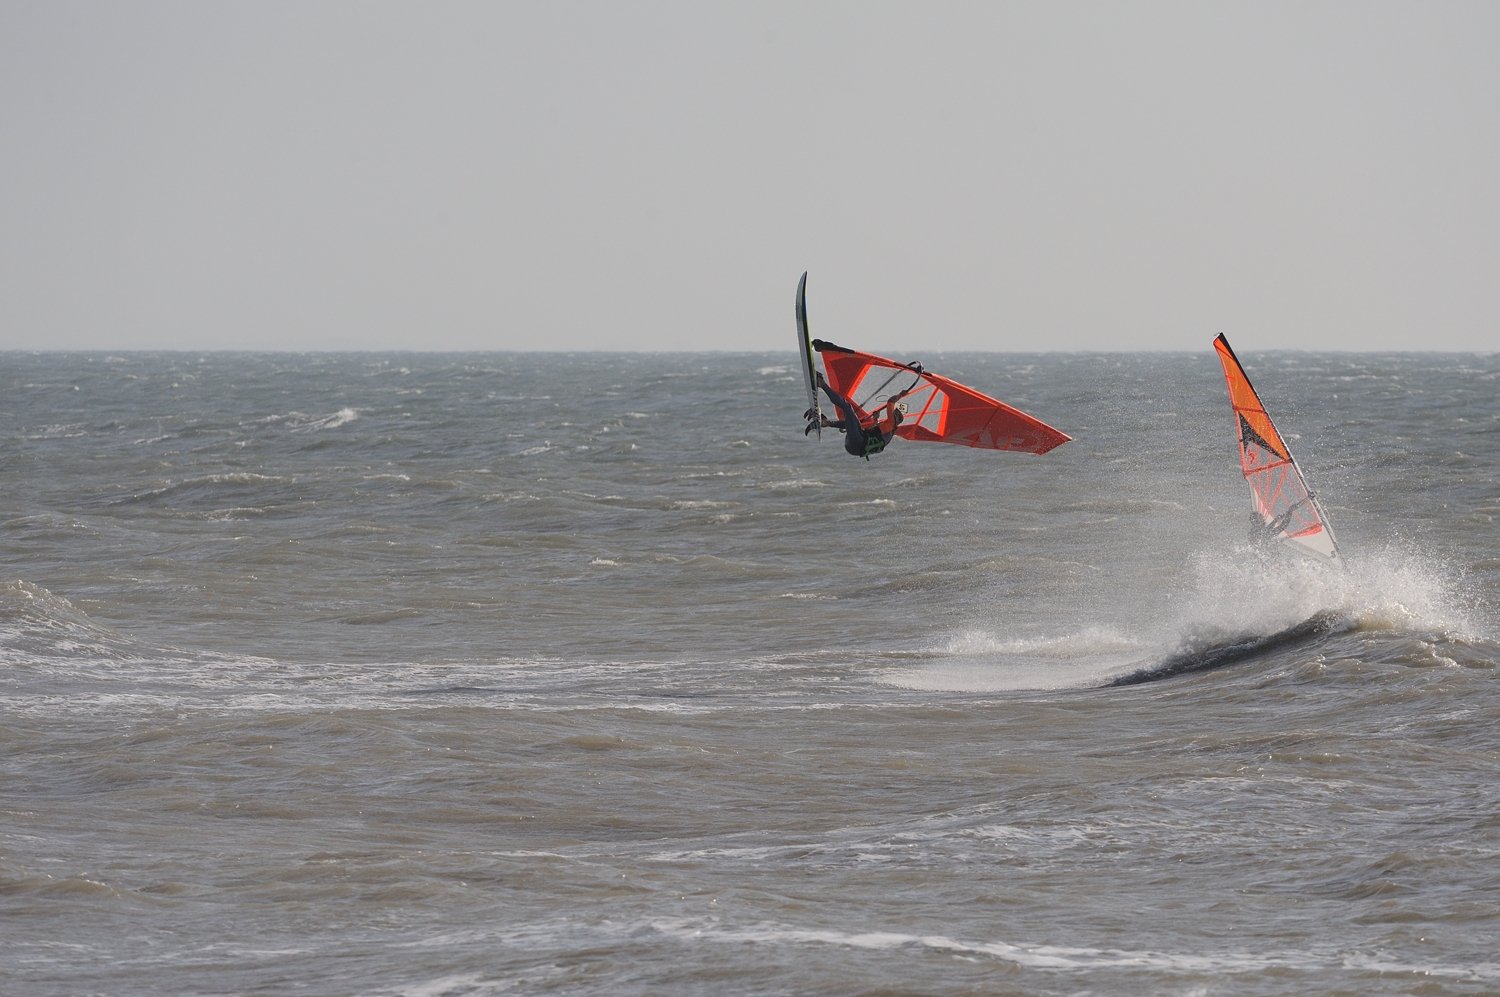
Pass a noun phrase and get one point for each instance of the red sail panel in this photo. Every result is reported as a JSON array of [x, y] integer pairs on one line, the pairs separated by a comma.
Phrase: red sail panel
[[938, 409]]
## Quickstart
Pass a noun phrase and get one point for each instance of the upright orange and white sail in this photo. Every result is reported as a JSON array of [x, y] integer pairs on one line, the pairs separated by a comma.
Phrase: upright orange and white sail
[[1278, 491]]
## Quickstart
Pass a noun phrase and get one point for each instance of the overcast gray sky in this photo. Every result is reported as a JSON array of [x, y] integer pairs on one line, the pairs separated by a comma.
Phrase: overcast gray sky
[[657, 175]]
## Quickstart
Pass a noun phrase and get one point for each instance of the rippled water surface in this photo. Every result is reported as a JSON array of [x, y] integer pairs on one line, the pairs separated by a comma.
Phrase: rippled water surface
[[466, 674]]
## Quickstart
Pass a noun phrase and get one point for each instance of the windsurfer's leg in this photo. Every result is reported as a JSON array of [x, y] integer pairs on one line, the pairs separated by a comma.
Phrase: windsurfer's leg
[[854, 435], [844, 405]]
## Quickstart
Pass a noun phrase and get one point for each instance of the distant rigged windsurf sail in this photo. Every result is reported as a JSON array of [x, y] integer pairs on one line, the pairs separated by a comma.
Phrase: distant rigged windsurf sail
[[1278, 491], [938, 409]]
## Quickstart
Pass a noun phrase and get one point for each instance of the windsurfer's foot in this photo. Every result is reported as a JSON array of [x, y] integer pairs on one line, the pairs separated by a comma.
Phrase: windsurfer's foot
[[811, 425]]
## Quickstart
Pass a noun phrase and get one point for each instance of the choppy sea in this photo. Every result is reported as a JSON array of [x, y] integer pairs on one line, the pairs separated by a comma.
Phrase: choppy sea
[[445, 674]]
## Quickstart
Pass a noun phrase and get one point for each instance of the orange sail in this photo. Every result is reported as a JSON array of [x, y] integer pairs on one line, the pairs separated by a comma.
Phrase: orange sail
[[938, 409], [1278, 491]]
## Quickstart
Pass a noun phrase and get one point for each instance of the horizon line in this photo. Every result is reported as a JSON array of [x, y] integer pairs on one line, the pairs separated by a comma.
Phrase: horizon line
[[659, 352]]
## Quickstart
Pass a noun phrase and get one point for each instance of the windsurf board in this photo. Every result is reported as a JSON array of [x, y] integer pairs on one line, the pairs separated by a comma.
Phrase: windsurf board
[[809, 365]]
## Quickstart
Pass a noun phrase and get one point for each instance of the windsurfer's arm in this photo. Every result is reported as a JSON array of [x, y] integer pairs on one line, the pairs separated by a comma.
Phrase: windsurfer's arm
[[893, 409]]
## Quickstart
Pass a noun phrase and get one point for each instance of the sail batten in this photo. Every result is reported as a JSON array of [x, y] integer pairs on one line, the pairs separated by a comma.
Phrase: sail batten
[[1279, 491]]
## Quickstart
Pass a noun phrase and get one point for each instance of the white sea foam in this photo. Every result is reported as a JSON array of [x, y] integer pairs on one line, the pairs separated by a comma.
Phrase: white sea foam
[[300, 422], [1262, 590], [976, 660], [342, 417], [1251, 591], [1061, 957]]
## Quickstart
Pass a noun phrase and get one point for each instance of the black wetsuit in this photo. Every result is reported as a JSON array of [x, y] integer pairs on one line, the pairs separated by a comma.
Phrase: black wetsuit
[[857, 442]]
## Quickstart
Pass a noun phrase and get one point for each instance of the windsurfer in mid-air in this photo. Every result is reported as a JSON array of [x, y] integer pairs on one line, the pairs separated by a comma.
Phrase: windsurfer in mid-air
[[862, 436]]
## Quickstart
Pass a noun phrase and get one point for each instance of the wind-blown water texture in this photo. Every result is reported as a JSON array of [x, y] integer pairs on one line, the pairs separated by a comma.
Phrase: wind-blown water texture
[[464, 674]]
